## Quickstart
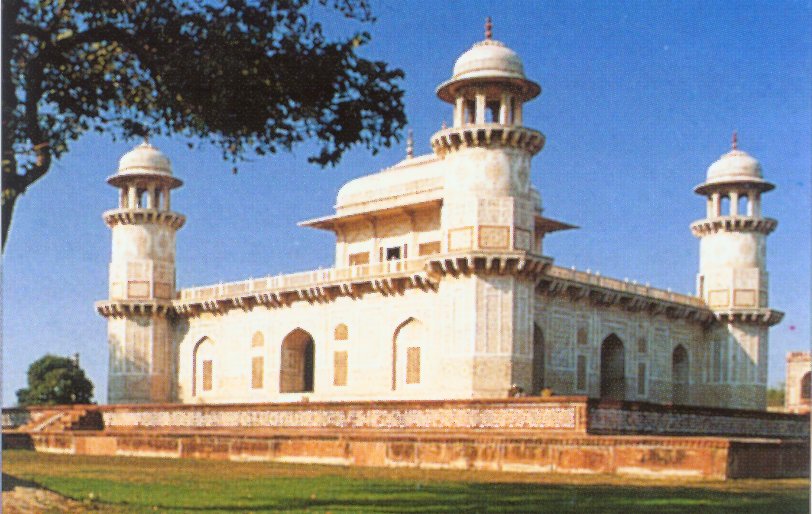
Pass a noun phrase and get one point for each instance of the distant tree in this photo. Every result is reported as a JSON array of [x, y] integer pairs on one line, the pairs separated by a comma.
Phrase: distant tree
[[775, 396], [244, 75], [54, 380]]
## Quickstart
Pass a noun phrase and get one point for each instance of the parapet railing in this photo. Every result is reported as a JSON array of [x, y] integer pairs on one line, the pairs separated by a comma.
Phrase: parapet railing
[[305, 279], [327, 276], [625, 286]]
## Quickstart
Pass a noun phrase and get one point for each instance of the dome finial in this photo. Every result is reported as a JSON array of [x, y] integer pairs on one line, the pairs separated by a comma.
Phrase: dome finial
[[734, 143], [410, 145], [488, 28]]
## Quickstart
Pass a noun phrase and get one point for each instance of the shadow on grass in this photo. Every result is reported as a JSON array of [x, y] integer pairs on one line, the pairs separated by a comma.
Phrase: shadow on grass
[[10, 482]]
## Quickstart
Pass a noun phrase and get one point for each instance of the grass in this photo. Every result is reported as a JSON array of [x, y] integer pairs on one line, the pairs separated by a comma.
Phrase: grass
[[130, 484]]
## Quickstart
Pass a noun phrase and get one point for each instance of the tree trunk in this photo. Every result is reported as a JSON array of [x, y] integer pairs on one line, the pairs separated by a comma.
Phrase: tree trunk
[[9, 199]]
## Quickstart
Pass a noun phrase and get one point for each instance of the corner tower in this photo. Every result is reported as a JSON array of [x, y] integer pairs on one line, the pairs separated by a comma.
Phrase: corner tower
[[142, 278], [733, 278], [491, 221], [487, 152]]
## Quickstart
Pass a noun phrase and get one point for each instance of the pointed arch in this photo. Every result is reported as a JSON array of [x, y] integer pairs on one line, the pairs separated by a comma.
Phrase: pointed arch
[[538, 359], [679, 375], [203, 355], [407, 339], [297, 362], [805, 386], [613, 368]]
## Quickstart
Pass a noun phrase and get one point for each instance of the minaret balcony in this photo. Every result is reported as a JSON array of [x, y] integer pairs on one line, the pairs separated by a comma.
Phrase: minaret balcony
[[487, 135], [139, 216], [708, 226], [759, 316]]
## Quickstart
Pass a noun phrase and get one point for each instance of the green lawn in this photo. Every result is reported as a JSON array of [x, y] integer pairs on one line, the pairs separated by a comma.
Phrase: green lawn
[[168, 485]]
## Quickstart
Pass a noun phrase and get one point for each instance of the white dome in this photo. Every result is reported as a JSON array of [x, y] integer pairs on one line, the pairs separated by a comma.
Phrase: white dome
[[734, 166], [144, 159], [405, 178], [489, 61], [144, 162], [489, 58], [734, 169]]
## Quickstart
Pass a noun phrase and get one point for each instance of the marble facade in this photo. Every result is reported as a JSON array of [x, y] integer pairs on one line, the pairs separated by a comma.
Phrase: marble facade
[[440, 288]]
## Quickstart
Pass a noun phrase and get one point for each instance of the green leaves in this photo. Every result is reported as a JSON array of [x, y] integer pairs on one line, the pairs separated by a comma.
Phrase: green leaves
[[244, 75], [54, 380]]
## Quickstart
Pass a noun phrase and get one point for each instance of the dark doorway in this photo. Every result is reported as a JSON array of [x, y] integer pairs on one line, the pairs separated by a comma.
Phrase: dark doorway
[[613, 372], [679, 375], [538, 360], [297, 363]]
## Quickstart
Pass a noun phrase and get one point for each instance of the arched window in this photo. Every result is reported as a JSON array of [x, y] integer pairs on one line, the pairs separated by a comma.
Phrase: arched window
[[492, 111], [141, 198], [805, 386], [257, 361], [203, 367], [725, 206], [613, 369], [296, 371], [742, 206], [341, 333], [538, 360], [406, 347], [582, 336], [679, 375]]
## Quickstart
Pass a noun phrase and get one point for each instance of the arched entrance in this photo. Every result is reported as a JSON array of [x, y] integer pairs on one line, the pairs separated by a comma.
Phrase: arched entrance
[[679, 375], [538, 360], [297, 363], [203, 367], [613, 369], [407, 343], [805, 386]]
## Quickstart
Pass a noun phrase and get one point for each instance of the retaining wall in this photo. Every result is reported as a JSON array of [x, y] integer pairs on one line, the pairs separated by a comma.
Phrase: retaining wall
[[559, 434]]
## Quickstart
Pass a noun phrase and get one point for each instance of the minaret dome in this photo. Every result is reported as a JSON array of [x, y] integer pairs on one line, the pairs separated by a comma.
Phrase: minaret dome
[[488, 84]]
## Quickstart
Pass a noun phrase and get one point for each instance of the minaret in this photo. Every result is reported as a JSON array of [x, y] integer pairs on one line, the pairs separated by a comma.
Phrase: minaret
[[491, 217], [733, 279], [487, 151], [142, 278]]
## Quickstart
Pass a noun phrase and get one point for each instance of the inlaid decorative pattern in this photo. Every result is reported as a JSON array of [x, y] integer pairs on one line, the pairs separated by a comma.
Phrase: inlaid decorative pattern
[[528, 416], [138, 289], [744, 298], [614, 420], [494, 237]]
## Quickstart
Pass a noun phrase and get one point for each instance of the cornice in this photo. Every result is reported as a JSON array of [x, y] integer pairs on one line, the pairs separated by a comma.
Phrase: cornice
[[764, 316], [124, 308], [143, 216], [576, 285], [708, 226], [487, 135]]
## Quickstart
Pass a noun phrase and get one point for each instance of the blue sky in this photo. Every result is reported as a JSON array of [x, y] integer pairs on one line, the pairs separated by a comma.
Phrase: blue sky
[[639, 98]]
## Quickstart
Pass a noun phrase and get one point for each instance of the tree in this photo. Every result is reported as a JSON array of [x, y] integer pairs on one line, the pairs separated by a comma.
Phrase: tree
[[253, 76], [54, 380], [775, 396]]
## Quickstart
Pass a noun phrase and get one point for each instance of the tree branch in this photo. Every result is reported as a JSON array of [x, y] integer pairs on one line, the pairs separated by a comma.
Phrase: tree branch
[[42, 147]]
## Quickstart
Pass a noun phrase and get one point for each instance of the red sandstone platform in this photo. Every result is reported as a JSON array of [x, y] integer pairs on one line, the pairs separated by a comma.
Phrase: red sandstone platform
[[559, 434]]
